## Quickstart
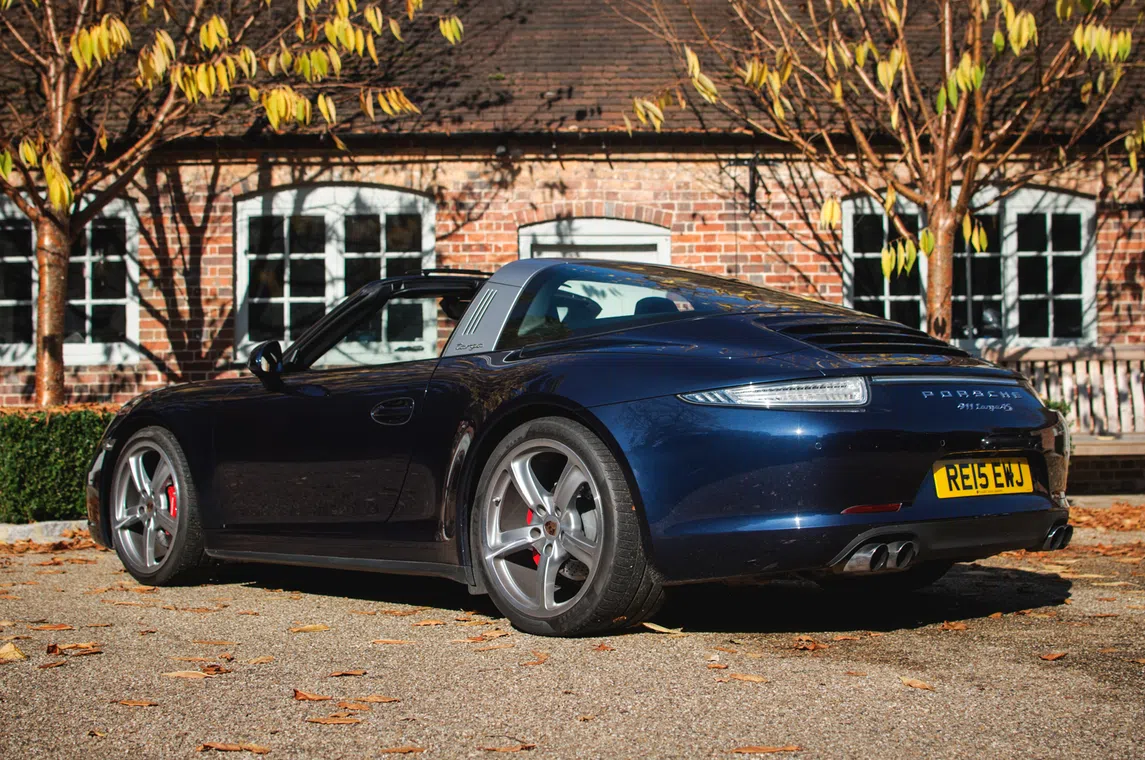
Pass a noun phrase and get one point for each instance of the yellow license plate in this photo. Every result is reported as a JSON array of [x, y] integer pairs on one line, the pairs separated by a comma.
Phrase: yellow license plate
[[982, 477]]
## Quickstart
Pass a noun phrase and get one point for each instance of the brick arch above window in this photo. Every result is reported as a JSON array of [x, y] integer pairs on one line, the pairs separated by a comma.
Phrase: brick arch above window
[[596, 238], [628, 211]]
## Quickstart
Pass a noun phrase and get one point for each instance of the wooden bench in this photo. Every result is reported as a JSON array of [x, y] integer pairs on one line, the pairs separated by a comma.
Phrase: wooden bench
[[1104, 387]]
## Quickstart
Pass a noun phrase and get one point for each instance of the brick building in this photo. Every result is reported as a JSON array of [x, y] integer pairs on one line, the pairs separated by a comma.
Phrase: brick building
[[219, 246]]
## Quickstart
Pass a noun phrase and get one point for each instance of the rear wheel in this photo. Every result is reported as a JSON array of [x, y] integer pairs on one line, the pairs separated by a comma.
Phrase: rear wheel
[[555, 535], [890, 584], [154, 510]]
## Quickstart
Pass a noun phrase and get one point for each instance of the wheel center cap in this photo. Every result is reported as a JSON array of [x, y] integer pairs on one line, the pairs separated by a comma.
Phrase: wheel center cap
[[551, 527]]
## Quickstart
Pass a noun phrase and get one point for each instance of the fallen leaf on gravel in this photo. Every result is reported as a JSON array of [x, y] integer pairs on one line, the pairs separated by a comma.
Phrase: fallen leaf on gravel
[[54, 561], [335, 720], [424, 623], [55, 664], [81, 561], [52, 627], [602, 647], [1108, 650], [344, 673], [750, 678], [403, 613], [1051, 656], [854, 673], [82, 645], [1134, 607], [757, 750], [214, 643], [476, 622], [215, 670], [136, 703], [256, 749], [955, 626], [491, 647], [363, 612], [147, 631], [377, 698], [1103, 615], [356, 706], [717, 666], [662, 629], [189, 674], [808, 644], [246, 612], [1138, 661], [541, 659], [915, 684], [585, 718], [191, 659], [995, 616], [390, 641], [1107, 599], [401, 750], [514, 748], [93, 732], [305, 696], [260, 660], [844, 638], [121, 603], [312, 628], [98, 625]]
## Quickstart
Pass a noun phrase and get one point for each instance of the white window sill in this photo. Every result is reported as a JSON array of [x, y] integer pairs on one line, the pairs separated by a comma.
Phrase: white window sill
[[75, 354]]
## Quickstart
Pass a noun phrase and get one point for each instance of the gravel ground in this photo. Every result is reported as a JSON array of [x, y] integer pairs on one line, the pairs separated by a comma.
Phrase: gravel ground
[[832, 671]]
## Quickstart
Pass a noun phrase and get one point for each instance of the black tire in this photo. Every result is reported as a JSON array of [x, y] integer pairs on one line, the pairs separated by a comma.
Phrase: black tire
[[185, 557], [889, 584], [625, 589]]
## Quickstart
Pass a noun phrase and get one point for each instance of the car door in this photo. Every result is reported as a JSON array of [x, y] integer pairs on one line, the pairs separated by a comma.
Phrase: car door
[[323, 447]]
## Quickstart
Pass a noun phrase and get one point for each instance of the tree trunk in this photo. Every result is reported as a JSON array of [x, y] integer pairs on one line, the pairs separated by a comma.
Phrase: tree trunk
[[52, 254], [940, 271]]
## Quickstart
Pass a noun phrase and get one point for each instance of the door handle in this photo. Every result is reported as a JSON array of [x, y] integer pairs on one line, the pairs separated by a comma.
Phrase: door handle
[[393, 411]]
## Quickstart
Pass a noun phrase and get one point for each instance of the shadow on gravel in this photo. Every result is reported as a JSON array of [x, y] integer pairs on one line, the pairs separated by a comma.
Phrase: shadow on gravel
[[967, 591]]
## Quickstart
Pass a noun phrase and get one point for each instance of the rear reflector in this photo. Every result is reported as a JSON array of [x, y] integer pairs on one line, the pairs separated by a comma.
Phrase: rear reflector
[[862, 509]]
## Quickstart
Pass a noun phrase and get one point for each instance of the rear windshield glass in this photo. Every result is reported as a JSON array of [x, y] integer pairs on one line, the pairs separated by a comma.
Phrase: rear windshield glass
[[572, 300]]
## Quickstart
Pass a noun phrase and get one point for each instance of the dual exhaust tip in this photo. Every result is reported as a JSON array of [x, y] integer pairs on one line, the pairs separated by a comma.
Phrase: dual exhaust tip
[[878, 557], [1058, 538]]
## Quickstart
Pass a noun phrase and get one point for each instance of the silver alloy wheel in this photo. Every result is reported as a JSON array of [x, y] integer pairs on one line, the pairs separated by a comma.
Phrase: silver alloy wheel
[[142, 515], [542, 528]]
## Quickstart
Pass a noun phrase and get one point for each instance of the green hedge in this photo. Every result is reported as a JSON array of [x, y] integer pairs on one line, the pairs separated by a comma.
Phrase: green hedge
[[44, 455]]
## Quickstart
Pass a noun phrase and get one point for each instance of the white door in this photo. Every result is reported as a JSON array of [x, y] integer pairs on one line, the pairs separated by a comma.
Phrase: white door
[[603, 239]]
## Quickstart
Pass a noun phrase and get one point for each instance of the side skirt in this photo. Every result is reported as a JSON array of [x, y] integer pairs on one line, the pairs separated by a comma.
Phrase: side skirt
[[399, 567]]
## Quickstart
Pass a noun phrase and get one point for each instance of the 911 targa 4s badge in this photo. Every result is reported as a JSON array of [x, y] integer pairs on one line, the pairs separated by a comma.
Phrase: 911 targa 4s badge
[[571, 437]]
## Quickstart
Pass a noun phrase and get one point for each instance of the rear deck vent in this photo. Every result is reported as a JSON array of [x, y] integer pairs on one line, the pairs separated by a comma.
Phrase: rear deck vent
[[479, 310], [844, 335]]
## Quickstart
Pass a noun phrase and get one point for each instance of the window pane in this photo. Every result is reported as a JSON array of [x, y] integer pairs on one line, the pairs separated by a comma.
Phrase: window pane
[[1034, 319], [265, 235], [75, 324], [1032, 232], [266, 321], [961, 328], [1067, 232], [369, 331], [398, 267], [403, 232], [868, 233], [363, 233], [77, 283], [906, 312], [15, 238], [108, 237], [986, 275], [307, 234], [404, 323], [1067, 274], [108, 324], [16, 324], [1067, 319], [960, 266], [302, 315], [308, 278], [360, 272], [266, 278], [906, 284], [868, 277], [988, 319], [1031, 275], [79, 246], [108, 279], [15, 280]]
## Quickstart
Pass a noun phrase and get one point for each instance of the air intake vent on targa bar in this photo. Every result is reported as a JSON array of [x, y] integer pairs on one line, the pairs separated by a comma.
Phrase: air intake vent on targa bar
[[479, 310], [842, 335]]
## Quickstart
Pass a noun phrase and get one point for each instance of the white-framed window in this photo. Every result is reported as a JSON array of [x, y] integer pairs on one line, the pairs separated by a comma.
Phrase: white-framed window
[[1034, 284], [101, 321], [596, 238], [301, 250]]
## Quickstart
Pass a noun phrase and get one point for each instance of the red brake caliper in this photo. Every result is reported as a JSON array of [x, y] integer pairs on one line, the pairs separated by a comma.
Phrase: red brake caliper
[[536, 554], [172, 506]]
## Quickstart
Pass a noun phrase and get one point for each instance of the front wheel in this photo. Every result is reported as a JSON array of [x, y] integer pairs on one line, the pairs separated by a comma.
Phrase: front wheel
[[555, 534], [154, 510]]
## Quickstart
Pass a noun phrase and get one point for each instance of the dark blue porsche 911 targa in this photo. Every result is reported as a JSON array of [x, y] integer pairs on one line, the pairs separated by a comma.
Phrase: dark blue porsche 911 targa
[[571, 437]]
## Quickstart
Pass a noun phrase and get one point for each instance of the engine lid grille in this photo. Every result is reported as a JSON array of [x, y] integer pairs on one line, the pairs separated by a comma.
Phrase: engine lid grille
[[848, 335]]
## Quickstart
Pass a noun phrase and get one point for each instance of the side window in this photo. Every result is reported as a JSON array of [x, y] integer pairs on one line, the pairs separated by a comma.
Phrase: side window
[[403, 330]]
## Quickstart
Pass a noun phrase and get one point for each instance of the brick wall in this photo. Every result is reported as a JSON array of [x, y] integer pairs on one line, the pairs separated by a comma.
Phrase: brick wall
[[186, 246], [1106, 475]]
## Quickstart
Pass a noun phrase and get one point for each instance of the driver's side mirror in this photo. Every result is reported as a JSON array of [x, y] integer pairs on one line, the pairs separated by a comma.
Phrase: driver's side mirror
[[265, 363]]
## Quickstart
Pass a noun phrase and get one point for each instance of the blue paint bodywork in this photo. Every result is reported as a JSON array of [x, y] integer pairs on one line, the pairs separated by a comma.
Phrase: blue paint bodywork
[[302, 472]]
